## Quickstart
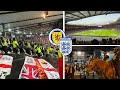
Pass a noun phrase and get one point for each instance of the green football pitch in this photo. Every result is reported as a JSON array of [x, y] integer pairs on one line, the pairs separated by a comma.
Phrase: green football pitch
[[102, 32]]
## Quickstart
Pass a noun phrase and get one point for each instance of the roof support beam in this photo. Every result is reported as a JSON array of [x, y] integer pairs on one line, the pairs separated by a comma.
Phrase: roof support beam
[[67, 20], [82, 14], [32, 19], [73, 14], [68, 17], [107, 12], [36, 24], [95, 13], [89, 13], [11, 12], [100, 12]]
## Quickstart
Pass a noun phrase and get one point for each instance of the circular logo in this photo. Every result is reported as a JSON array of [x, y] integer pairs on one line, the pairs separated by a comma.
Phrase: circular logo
[[55, 35]]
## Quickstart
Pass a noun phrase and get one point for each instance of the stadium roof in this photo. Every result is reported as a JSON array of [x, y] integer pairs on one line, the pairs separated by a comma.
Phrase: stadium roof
[[27, 20], [76, 15]]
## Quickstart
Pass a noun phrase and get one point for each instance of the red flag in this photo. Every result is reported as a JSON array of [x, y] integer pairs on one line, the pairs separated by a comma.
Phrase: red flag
[[60, 67]]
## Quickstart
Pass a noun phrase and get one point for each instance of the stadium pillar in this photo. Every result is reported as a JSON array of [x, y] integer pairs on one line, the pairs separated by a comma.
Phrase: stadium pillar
[[4, 33]]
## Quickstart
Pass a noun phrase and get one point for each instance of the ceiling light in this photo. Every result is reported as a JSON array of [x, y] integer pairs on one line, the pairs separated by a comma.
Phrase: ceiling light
[[18, 32], [9, 29], [107, 53], [79, 53], [44, 14]]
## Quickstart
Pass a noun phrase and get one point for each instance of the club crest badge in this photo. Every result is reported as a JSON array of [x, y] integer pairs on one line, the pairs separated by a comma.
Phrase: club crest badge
[[65, 46], [55, 35]]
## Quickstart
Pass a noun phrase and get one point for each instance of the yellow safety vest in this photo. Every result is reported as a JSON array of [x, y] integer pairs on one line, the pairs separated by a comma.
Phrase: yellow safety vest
[[5, 43], [59, 54], [48, 52], [15, 44], [41, 47], [8, 42], [38, 49], [55, 50], [28, 45], [35, 47], [50, 49]]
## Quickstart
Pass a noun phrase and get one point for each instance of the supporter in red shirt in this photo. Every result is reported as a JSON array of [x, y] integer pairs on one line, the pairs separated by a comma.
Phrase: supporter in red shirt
[[60, 67]]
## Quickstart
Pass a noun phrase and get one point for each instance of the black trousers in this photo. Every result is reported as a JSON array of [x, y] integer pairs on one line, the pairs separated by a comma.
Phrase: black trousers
[[43, 52], [15, 50], [71, 75], [66, 76], [28, 50], [9, 49], [5, 49], [39, 54]]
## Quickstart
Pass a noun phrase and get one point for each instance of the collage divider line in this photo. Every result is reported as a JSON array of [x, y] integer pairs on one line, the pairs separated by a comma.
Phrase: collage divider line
[[95, 45], [63, 55]]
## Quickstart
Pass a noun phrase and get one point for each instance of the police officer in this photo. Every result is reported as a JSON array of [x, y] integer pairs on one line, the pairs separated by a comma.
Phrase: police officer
[[38, 51], [9, 45], [42, 49], [4, 45], [59, 53], [28, 45], [55, 50], [35, 48], [50, 50], [47, 52], [28, 48], [15, 45]]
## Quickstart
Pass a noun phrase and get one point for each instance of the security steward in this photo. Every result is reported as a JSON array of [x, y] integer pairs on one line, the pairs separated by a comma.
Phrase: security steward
[[15, 45], [38, 51], [42, 49], [59, 53], [4, 45], [47, 52], [35, 48], [28, 48], [9, 45]]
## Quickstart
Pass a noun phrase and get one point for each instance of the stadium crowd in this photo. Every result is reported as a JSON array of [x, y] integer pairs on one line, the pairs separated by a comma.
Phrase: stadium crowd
[[108, 41], [37, 46]]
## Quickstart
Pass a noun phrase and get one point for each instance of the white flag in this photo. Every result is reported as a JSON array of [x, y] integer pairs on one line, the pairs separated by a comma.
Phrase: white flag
[[5, 65]]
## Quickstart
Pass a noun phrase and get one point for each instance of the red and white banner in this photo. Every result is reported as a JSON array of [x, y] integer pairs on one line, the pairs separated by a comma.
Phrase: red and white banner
[[34, 68], [5, 65]]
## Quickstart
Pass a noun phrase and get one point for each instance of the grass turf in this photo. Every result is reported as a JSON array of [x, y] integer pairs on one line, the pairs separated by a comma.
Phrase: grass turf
[[102, 32]]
